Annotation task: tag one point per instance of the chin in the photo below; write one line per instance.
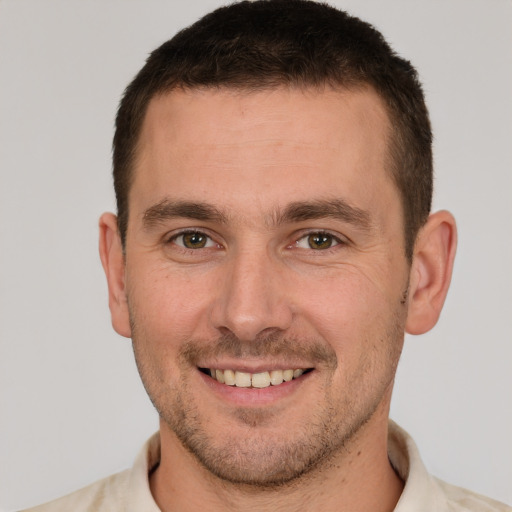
(256, 459)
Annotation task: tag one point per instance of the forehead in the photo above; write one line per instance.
(301, 141)
(229, 115)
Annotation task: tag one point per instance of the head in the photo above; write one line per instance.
(303, 45)
(273, 173)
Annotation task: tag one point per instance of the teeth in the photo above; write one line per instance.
(261, 380)
(242, 379)
(229, 377)
(287, 375)
(255, 380)
(219, 375)
(276, 377)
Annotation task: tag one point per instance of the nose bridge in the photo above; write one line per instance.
(252, 298)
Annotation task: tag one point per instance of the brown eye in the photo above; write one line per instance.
(320, 241)
(317, 241)
(193, 240)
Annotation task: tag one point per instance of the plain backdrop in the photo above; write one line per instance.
(72, 408)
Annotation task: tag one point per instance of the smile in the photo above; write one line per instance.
(254, 380)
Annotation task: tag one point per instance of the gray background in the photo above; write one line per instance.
(72, 408)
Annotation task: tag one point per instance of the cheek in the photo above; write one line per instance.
(168, 305)
(364, 327)
(166, 312)
(351, 311)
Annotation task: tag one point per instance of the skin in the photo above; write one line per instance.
(260, 296)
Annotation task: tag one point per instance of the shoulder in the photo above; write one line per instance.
(105, 495)
(424, 492)
(463, 500)
(128, 491)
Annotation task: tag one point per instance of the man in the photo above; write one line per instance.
(273, 175)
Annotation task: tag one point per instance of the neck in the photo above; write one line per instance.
(358, 478)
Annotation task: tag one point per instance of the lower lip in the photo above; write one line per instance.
(247, 397)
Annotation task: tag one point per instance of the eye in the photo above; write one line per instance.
(317, 241)
(193, 240)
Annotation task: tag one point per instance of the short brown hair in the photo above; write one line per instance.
(298, 43)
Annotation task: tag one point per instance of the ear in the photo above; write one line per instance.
(431, 271)
(112, 259)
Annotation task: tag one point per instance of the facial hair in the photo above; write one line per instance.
(252, 452)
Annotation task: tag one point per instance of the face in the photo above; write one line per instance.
(265, 240)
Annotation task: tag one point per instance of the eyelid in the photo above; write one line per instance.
(339, 239)
(173, 236)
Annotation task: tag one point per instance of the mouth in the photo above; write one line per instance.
(258, 380)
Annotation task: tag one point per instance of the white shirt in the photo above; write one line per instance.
(129, 491)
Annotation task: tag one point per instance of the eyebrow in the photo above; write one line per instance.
(337, 209)
(298, 211)
(168, 209)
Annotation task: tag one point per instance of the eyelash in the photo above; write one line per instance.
(336, 241)
(210, 242)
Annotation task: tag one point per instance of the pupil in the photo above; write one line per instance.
(319, 241)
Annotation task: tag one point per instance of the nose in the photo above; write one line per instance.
(253, 298)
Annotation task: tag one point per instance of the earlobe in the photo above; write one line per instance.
(431, 271)
(112, 259)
